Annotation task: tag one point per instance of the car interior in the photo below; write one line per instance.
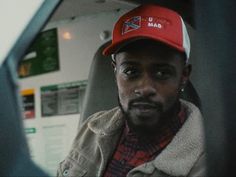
(212, 86)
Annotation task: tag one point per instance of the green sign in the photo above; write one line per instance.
(42, 56)
(30, 130)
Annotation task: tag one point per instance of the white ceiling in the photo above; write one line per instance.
(74, 8)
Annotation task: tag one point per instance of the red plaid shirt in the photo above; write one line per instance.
(131, 153)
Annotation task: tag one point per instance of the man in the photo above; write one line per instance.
(152, 133)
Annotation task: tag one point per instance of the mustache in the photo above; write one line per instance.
(145, 101)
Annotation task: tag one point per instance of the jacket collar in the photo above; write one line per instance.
(184, 150)
(107, 122)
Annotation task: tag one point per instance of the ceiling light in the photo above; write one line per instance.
(66, 35)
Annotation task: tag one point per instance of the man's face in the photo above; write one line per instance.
(149, 78)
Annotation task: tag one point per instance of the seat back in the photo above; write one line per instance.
(101, 92)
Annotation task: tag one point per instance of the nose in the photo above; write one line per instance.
(145, 87)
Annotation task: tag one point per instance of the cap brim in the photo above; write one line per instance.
(116, 46)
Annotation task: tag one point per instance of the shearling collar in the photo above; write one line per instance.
(183, 151)
(107, 122)
(178, 158)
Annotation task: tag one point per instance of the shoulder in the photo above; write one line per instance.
(187, 146)
(192, 109)
(199, 168)
(103, 119)
(97, 117)
(85, 146)
(97, 124)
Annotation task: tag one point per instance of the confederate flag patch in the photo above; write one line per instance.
(131, 24)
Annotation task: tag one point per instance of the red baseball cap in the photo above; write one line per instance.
(150, 22)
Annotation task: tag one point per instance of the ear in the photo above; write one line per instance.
(113, 64)
(186, 73)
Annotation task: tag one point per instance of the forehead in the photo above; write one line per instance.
(146, 51)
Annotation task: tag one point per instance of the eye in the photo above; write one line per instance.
(130, 72)
(163, 74)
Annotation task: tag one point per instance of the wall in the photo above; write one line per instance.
(52, 138)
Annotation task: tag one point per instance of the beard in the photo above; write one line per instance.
(149, 123)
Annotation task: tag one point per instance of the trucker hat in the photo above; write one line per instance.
(150, 22)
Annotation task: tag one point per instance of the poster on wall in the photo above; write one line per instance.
(28, 103)
(50, 140)
(31, 134)
(47, 144)
(62, 99)
(42, 56)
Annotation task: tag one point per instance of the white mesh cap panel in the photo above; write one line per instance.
(186, 40)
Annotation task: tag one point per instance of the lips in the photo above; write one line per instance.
(145, 108)
(144, 105)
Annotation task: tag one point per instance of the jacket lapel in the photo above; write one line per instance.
(108, 130)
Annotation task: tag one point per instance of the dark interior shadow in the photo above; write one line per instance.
(14, 152)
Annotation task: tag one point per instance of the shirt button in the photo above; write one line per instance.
(65, 172)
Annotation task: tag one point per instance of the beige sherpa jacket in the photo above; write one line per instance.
(98, 137)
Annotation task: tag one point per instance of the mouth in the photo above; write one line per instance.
(145, 107)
